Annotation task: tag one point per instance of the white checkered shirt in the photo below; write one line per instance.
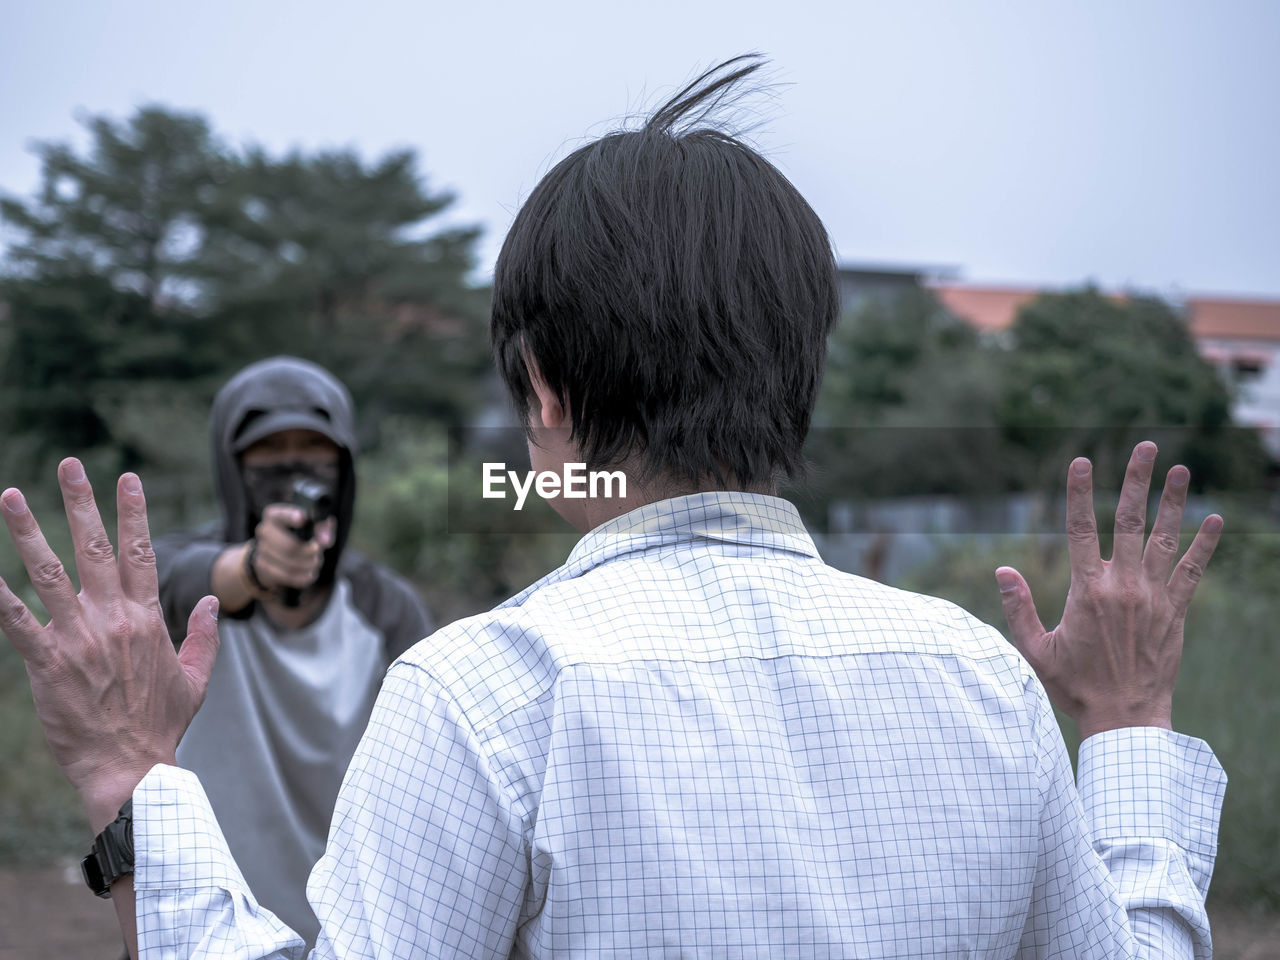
(696, 739)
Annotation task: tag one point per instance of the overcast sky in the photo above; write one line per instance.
(1133, 143)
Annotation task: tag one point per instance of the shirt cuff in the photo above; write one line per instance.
(177, 842)
(192, 900)
(1147, 782)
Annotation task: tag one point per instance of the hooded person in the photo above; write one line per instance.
(308, 627)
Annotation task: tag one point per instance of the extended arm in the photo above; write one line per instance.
(1126, 859)
(238, 574)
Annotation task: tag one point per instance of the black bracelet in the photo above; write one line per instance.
(251, 571)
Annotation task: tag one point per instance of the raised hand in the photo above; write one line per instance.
(113, 696)
(1113, 660)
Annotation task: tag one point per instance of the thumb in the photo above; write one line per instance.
(1025, 628)
(200, 649)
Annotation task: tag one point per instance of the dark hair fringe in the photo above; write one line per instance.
(676, 293)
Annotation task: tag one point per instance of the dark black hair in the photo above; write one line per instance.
(676, 292)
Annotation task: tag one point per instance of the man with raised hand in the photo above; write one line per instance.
(694, 738)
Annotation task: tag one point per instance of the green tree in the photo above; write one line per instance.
(330, 258)
(907, 405)
(881, 358)
(100, 281)
(129, 211)
(157, 261)
(1090, 375)
(916, 402)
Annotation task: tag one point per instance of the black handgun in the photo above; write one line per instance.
(316, 501)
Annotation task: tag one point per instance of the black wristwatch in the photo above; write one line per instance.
(112, 854)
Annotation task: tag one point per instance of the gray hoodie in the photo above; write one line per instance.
(264, 397)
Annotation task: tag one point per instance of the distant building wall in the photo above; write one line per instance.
(860, 284)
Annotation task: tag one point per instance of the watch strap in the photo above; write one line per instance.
(112, 853)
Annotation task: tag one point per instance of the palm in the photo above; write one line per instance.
(1113, 660)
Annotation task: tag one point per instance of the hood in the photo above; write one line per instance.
(271, 395)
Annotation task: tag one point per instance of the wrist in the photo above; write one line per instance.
(248, 571)
(103, 801)
(1089, 723)
(104, 792)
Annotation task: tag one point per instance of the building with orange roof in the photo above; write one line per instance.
(1238, 335)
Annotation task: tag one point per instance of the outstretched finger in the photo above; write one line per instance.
(1082, 525)
(1131, 510)
(95, 556)
(137, 558)
(1025, 629)
(20, 625)
(1162, 546)
(48, 576)
(1187, 574)
(199, 651)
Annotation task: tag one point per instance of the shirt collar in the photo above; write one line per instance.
(746, 519)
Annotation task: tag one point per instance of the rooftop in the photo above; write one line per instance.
(991, 308)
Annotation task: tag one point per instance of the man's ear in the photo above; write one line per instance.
(551, 412)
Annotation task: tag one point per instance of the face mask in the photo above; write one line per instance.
(265, 485)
